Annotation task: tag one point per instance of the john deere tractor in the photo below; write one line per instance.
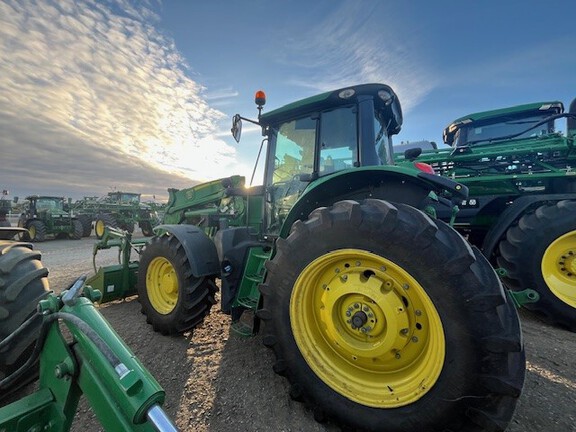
(380, 315)
(45, 215)
(521, 212)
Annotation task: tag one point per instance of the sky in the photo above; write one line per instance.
(138, 96)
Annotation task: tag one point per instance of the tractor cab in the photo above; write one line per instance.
(127, 198)
(323, 135)
(518, 122)
(41, 204)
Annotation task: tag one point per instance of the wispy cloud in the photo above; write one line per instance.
(104, 80)
(353, 44)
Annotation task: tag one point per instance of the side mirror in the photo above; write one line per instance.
(412, 154)
(237, 127)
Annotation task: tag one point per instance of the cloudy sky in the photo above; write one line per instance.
(138, 95)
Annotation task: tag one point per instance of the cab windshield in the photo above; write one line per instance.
(500, 127)
(49, 204)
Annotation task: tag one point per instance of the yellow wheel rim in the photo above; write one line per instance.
(21, 235)
(162, 285)
(99, 227)
(32, 231)
(559, 268)
(367, 328)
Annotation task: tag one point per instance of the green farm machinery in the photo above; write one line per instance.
(47, 215)
(520, 169)
(65, 342)
(5, 209)
(380, 315)
(119, 210)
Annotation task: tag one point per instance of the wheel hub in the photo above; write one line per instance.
(358, 320)
(567, 264)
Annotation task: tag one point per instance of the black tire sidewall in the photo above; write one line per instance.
(529, 259)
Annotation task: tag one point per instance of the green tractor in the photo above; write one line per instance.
(520, 171)
(46, 215)
(380, 315)
(65, 342)
(118, 210)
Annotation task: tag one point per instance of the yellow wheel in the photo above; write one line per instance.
(32, 231)
(559, 268)
(172, 298)
(162, 285)
(363, 325)
(382, 319)
(539, 253)
(103, 221)
(99, 227)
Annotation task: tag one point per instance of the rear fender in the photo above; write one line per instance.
(518, 208)
(199, 248)
(392, 185)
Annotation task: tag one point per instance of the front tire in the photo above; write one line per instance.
(101, 222)
(539, 252)
(24, 284)
(172, 298)
(37, 231)
(383, 319)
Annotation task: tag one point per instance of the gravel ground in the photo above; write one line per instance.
(216, 381)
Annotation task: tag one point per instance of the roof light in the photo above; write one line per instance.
(386, 96)
(346, 94)
(260, 98)
(546, 107)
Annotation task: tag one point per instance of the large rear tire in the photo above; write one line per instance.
(539, 252)
(172, 298)
(385, 320)
(78, 230)
(24, 284)
(86, 221)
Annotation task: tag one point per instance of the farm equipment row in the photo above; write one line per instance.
(44, 216)
(118, 210)
(379, 313)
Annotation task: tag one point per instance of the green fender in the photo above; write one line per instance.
(199, 248)
(390, 183)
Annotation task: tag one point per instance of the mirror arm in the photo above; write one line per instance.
(249, 120)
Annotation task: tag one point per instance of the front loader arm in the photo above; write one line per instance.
(96, 362)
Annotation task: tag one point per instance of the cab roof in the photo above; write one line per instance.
(334, 98)
(552, 107)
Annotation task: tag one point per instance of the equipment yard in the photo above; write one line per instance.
(218, 381)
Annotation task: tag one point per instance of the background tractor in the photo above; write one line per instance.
(45, 215)
(521, 211)
(381, 316)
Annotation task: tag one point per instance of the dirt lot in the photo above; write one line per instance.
(216, 381)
